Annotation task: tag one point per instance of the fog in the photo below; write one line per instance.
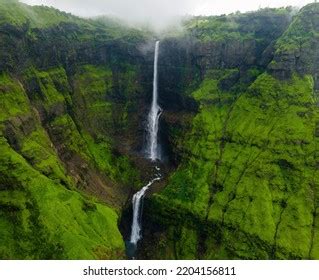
(160, 13)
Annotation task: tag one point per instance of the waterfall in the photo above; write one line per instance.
(153, 151)
(137, 207)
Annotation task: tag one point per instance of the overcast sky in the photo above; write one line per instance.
(160, 12)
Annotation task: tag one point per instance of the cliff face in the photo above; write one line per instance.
(240, 44)
(247, 183)
(68, 87)
(240, 128)
(296, 50)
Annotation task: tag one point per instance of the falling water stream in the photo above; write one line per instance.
(137, 207)
(153, 153)
(153, 150)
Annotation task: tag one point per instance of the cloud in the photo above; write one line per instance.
(159, 13)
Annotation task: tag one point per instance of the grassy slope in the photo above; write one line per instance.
(21, 15)
(248, 180)
(303, 29)
(248, 185)
(56, 130)
(37, 210)
(252, 172)
(15, 13)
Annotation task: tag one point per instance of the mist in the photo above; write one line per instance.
(159, 13)
(156, 14)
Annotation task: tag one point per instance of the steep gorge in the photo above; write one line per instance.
(239, 130)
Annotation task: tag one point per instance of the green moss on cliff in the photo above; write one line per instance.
(303, 29)
(49, 88)
(247, 186)
(43, 220)
(93, 86)
(90, 137)
(106, 95)
(119, 168)
(38, 150)
(250, 170)
(42, 216)
(248, 26)
(13, 100)
(102, 101)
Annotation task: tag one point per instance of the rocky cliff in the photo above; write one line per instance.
(240, 131)
(246, 186)
(68, 87)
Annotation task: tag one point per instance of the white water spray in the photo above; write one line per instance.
(137, 207)
(153, 150)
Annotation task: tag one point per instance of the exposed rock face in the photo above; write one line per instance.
(297, 49)
(185, 61)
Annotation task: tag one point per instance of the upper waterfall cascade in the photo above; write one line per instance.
(153, 151)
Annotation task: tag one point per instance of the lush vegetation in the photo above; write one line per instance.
(240, 94)
(238, 26)
(17, 14)
(63, 182)
(247, 184)
(42, 214)
(302, 31)
(252, 170)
